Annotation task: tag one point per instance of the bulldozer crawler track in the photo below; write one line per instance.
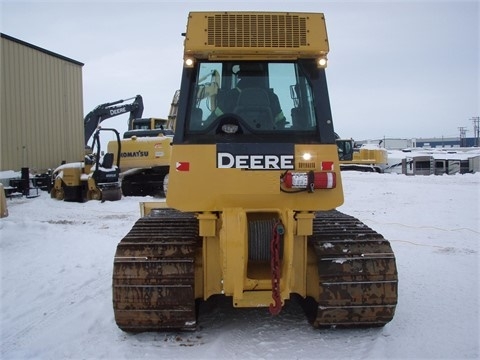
(357, 273)
(153, 273)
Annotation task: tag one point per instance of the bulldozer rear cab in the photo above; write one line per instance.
(254, 178)
(245, 129)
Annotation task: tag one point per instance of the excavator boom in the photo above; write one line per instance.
(105, 111)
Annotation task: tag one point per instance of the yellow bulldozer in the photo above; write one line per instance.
(253, 188)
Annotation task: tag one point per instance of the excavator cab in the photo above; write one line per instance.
(345, 149)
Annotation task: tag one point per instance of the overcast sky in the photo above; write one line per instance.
(401, 69)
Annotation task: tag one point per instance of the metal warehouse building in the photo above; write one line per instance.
(41, 108)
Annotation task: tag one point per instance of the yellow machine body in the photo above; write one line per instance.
(226, 199)
(372, 156)
(253, 187)
(142, 151)
(236, 196)
(367, 157)
(145, 154)
(254, 35)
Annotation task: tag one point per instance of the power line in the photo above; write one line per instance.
(463, 132)
(476, 129)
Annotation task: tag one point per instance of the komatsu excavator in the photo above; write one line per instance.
(254, 184)
(366, 158)
(145, 155)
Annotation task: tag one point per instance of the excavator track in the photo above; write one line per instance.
(147, 182)
(357, 273)
(153, 273)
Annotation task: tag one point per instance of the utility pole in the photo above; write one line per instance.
(463, 132)
(476, 129)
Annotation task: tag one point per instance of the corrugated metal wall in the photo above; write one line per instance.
(41, 109)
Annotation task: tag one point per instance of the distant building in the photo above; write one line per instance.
(41, 107)
(399, 144)
(446, 142)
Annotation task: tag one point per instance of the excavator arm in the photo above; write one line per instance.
(108, 110)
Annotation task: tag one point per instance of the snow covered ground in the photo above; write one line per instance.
(56, 265)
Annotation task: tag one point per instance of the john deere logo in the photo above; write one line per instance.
(256, 156)
(118, 111)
